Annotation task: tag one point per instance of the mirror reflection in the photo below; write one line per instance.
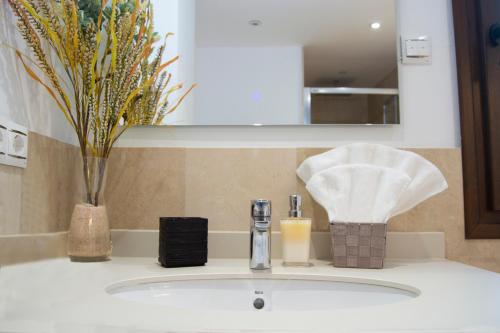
(287, 62)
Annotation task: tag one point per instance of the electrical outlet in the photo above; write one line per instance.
(3, 144)
(13, 144)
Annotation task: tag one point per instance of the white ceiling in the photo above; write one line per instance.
(339, 46)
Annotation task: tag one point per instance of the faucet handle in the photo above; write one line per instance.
(261, 208)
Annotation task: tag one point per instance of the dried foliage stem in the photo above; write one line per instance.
(109, 75)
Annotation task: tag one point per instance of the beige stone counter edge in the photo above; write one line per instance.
(222, 244)
(236, 244)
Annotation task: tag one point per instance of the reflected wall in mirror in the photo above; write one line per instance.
(286, 62)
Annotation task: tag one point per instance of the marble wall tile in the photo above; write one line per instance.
(220, 183)
(144, 184)
(310, 207)
(40, 198)
(10, 199)
(49, 186)
(443, 210)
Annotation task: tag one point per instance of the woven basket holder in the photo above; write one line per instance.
(358, 245)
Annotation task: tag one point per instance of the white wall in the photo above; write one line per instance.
(429, 102)
(429, 94)
(249, 85)
(21, 99)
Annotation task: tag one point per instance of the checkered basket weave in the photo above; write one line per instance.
(358, 245)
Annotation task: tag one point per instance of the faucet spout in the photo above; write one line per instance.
(260, 235)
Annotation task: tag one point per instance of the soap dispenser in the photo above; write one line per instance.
(296, 235)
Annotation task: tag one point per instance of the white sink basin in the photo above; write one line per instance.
(236, 293)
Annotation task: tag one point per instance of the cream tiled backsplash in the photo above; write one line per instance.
(146, 183)
(40, 198)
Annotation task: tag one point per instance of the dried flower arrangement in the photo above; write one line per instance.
(109, 75)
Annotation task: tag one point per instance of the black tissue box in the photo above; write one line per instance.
(183, 241)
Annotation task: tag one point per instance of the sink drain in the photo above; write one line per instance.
(259, 303)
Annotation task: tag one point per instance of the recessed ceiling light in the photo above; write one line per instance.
(255, 23)
(375, 25)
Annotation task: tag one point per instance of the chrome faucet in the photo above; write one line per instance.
(260, 235)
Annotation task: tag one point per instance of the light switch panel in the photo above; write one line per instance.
(13, 144)
(416, 50)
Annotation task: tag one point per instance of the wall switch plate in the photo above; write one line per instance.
(13, 144)
(416, 50)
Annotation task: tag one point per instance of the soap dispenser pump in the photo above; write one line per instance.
(296, 235)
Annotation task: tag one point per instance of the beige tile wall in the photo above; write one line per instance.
(36, 203)
(143, 184)
(11, 181)
(146, 183)
(50, 188)
(219, 184)
(40, 198)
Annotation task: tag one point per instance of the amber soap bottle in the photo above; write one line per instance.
(296, 235)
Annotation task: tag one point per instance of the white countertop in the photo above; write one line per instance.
(61, 296)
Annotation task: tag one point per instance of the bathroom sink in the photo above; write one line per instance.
(236, 293)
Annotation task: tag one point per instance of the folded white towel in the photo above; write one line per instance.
(358, 193)
(426, 179)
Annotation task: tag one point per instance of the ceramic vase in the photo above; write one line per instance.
(89, 238)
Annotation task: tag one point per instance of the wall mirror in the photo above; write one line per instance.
(286, 62)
